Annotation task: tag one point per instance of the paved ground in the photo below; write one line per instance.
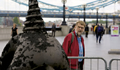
(94, 49)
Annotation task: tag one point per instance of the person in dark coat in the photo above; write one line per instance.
(103, 31)
(86, 31)
(53, 29)
(99, 31)
(72, 29)
(93, 29)
(110, 29)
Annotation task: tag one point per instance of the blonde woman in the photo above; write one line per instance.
(53, 29)
(14, 30)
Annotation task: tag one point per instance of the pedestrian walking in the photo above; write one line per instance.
(98, 31)
(73, 45)
(119, 29)
(95, 28)
(102, 31)
(86, 31)
(53, 29)
(14, 30)
(92, 29)
(110, 29)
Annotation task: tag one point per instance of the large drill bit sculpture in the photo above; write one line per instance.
(34, 49)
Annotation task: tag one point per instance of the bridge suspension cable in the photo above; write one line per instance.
(89, 6)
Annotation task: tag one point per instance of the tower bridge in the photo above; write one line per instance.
(54, 11)
(89, 15)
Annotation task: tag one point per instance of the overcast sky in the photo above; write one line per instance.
(10, 5)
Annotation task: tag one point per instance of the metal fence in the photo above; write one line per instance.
(92, 64)
(116, 64)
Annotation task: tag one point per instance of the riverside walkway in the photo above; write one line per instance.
(93, 49)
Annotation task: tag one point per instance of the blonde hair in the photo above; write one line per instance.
(14, 24)
(81, 22)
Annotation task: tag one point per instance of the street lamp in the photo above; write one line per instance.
(84, 5)
(97, 8)
(114, 19)
(106, 20)
(64, 22)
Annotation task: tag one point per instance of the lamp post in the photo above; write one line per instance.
(97, 15)
(84, 5)
(106, 20)
(64, 22)
(114, 19)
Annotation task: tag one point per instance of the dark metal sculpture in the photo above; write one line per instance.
(34, 49)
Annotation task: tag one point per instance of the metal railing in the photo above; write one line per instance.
(110, 63)
(98, 58)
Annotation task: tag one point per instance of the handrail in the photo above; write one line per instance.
(111, 63)
(75, 57)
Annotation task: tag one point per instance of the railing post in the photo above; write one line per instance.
(108, 68)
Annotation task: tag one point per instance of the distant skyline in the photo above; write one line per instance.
(10, 5)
